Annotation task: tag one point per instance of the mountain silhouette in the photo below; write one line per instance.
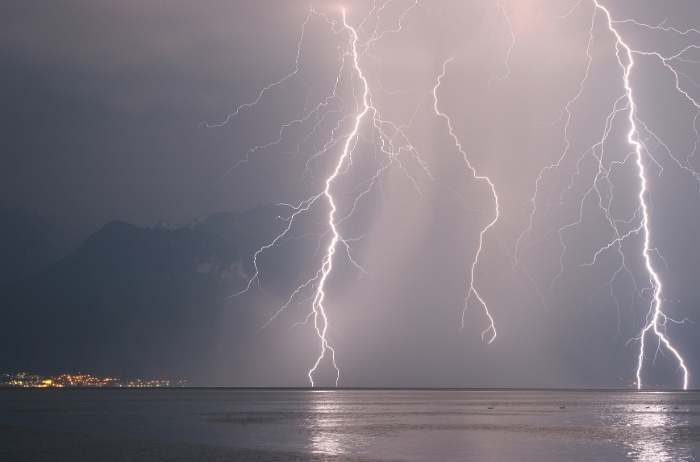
(134, 302)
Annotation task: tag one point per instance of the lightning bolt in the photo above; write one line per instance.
(362, 132)
(638, 224)
(656, 319)
(320, 318)
(473, 292)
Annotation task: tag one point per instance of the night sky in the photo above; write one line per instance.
(174, 110)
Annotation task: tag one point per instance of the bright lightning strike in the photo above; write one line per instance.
(656, 319)
(638, 224)
(320, 319)
(353, 126)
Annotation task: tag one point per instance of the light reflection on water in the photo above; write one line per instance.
(657, 426)
(408, 425)
(325, 424)
(651, 446)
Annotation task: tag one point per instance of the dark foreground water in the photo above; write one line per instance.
(407, 425)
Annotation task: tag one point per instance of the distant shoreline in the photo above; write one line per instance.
(368, 389)
(80, 380)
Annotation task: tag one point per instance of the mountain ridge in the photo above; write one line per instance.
(133, 301)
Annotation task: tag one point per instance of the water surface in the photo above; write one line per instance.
(407, 425)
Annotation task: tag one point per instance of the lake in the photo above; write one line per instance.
(217, 424)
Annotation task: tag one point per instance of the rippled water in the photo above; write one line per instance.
(382, 424)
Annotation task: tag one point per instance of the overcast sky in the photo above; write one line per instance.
(116, 110)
